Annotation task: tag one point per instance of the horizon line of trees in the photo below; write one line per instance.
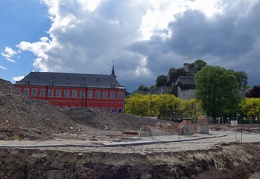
(170, 107)
(218, 92)
(174, 73)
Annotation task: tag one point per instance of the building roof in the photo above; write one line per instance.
(70, 79)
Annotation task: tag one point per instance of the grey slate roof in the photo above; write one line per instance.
(70, 79)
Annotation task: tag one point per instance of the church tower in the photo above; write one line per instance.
(113, 70)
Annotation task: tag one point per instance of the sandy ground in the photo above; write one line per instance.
(173, 143)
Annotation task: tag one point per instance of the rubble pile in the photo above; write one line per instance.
(25, 118)
(22, 117)
(105, 120)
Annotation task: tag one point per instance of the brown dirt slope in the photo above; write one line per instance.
(22, 117)
(104, 120)
(27, 117)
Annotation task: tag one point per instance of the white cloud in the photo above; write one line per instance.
(8, 53)
(37, 48)
(89, 5)
(17, 78)
(142, 68)
(3, 68)
(162, 12)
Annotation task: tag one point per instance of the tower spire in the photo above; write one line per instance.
(113, 70)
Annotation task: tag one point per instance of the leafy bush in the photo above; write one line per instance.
(248, 121)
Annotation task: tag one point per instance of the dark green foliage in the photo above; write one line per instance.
(248, 121)
(161, 80)
(174, 75)
(198, 64)
(151, 87)
(241, 79)
(171, 70)
(142, 89)
(217, 88)
(127, 94)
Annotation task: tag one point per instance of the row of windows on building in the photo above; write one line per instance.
(73, 93)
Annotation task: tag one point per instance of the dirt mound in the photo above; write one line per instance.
(22, 117)
(104, 120)
(25, 118)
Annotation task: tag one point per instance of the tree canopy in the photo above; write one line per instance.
(251, 107)
(162, 105)
(161, 80)
(198, 64)
(217, 88)
(241, 79)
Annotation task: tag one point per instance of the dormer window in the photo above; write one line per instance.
(51, 83)
(27, 82)
(82, 82)
(98, 79)
(68, 78)
(113, 85)
(36, 77)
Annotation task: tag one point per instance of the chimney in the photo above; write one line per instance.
(186, 67)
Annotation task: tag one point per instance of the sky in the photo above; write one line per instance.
(143, 39)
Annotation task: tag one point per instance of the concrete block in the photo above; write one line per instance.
(202, 129)
(187, 130)
(234, 123)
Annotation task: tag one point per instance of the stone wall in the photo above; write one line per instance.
(161, 90)
(186, 94)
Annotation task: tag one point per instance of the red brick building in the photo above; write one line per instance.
(69, 90)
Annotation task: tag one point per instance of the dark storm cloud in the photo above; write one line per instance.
(230, 39)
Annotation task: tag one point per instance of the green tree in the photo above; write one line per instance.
(217, 88)
(251, 107)
(241, 79)
(161, 80)
(151, 87)
(191, 108)
(127, 94)
(142, 89)
(171, 70)
(138, 104)
(174, 75)
(198, 64)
